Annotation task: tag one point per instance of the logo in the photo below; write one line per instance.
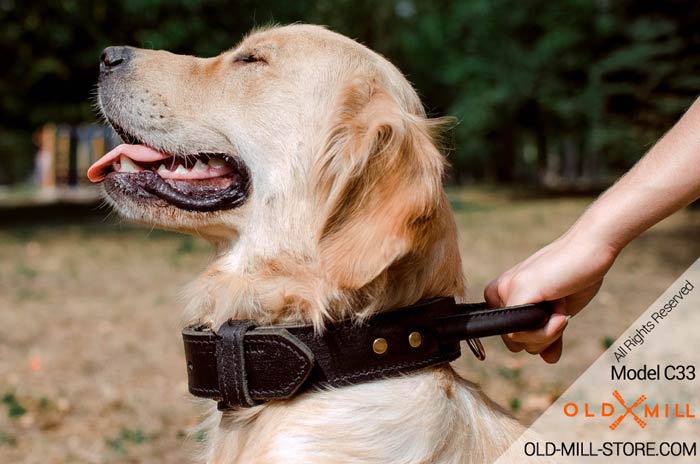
(628, 410)
(641, 410)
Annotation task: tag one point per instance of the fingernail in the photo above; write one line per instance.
(565, 324)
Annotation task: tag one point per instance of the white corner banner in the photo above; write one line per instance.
(639, 402)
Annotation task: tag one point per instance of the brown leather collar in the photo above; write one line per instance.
(242, 365)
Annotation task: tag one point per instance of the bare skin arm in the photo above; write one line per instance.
(570, 270)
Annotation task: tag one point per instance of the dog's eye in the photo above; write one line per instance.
(248, 58)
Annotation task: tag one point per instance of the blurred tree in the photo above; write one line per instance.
(560, 92)
(553, 90)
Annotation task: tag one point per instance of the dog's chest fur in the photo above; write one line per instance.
(430, 417)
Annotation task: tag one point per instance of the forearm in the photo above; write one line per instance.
(569, 271)
(665, 180)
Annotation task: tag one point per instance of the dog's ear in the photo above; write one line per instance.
(380, 183)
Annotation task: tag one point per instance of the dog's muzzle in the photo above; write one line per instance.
(243, 365)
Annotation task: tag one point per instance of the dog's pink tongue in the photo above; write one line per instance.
(142, 153)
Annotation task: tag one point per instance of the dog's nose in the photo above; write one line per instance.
(114, 57)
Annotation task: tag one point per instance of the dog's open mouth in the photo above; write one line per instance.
(197, 182)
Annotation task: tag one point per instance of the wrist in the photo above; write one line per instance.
(594, 233)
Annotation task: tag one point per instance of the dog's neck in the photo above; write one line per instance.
(278, 286)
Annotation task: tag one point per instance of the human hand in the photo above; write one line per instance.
(568, 272)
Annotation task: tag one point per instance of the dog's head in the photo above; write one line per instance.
(298, 152)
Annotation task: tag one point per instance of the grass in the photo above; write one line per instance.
(515, 404)
(187, 245)
(509, 373)
(607, 341)
(26, 271)
(7, 439)
(14, 408)
(462, 206)
(125, 438)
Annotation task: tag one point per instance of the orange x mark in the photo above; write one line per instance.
(628, 410)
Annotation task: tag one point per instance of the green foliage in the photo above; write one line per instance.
(509, 373)
(14, 408)
(7, 439)
(575, 88)
(515, 404)
(26, 271)
(126, 436)
(186, 246)
(607, 342)
(201, 436)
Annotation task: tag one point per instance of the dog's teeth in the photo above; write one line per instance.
(162, 169)
(127, 165)
(216, 163)
(199, 166)
(180, 169)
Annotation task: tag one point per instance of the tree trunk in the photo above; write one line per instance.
(505, 155)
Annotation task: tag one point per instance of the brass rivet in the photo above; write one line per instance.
(380, 346)
(415, 339)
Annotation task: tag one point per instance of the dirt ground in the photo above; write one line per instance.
(91, 363)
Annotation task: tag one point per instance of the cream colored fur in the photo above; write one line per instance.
(347, 217)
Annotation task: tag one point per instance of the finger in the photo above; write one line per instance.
(561, 306)
(544, 336)
(575, 303)
(552, 353)
(543, 339)
(491, 294)
(511, 345)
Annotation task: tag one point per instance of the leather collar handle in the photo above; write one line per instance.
(478, 320)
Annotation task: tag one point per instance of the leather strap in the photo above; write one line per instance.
(241, 365)
(230, 363)
(478, 320)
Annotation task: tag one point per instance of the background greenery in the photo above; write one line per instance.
(565, 93)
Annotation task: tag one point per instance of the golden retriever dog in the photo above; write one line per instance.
(307, 160)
